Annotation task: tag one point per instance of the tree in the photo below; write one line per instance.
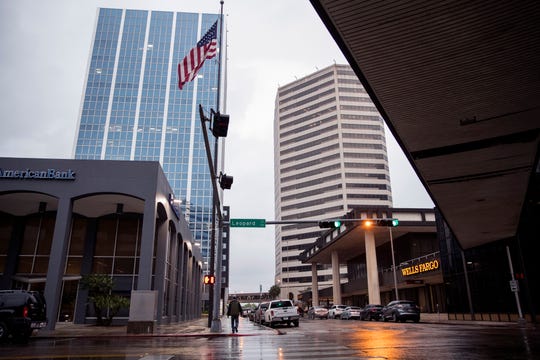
(274, 291)
(105, 303)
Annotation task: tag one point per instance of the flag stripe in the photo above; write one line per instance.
(206, 48)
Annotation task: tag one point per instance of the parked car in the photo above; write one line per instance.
(371, 312)
(318, 312)
(281, 312)
(251, 314)
(20, 313)
(351, 312)
(401, 310)
(247, 311)
(335, 311)
(258, 315)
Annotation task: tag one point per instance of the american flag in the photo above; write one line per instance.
(206, 49)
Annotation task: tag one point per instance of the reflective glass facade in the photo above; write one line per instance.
(133, 110)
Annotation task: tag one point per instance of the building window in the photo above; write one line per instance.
(36, 245)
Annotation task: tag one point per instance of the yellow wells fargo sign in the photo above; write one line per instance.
(420, 268)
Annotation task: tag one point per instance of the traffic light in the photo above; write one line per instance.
(330, 224)
(388, 222)
(220, 125)
(225, 182)
(209, 279)
(367, 223)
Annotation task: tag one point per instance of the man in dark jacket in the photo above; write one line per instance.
(234, 310)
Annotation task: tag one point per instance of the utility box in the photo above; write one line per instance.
(142, 312)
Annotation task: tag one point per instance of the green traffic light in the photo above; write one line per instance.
(395, 222)
(337, 223)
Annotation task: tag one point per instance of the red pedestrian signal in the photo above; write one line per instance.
(220, 125)
(209, 279)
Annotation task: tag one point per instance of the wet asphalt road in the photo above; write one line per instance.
(314, 339)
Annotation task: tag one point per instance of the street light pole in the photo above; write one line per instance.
(514, 290)
(216, 315)
(393, 262)
(285, 272)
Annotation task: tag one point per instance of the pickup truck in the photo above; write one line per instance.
(21, 312)
(281, 312)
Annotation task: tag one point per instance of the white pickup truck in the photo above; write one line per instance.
(281, 312)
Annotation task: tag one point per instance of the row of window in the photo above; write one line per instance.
(364, 146)
(363, 155)
(333, 138)
(302, 236)
(310, 135)
(360, 99)
(307, 118)
(367, 186)
(349, 165)
(344, 125)
(303, 84)
(311, 126)
(310, 183)
(315, 97)
(346, 72)
(311, 214)
(318, 161)
(319, 191)
(368, 196)
(359, 90)
(303, 175)
(307, 109)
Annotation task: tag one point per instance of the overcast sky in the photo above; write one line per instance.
(43, 63)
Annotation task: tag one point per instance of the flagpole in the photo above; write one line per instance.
(220, 57)
(216, 318)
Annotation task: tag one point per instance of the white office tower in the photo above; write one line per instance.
(329, 157)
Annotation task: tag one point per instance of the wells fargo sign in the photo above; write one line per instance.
(420, 268)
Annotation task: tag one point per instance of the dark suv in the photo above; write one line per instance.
(401, 310)
(371, 312)
(20, 313)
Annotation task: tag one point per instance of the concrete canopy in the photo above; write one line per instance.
(458, 84)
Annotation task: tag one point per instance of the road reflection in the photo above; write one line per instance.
(384, 343)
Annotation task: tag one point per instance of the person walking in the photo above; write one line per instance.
(234, 310)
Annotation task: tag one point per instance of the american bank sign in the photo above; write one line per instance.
(49, 174)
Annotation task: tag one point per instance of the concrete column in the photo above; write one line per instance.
(173, 240)
(374, 293)
(86, 269)
(189, 299)
(180, 277)
(185, 291)
(315, 285)
(162, 255)
(147, 245)
(57, 260)
(336, 283)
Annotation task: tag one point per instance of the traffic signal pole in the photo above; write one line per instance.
(339, 222)
(216, 209)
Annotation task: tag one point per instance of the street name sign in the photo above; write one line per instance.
(247, 223)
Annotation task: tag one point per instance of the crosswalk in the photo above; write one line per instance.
(286, 347)
(260, 343)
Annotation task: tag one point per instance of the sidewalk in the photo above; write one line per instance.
(442, 318)
(198, 327)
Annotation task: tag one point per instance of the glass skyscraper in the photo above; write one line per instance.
(132, 108)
